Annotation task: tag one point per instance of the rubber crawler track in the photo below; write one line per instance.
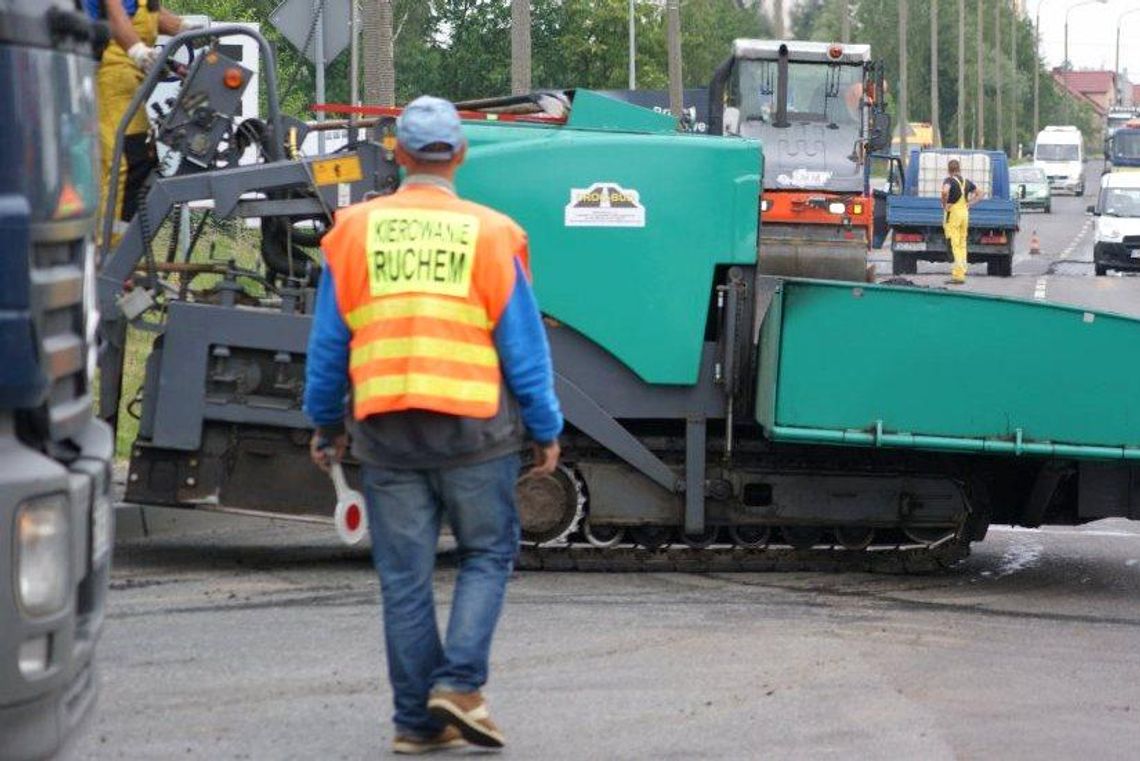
(908, 560)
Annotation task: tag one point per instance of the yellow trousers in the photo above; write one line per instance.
(955, 227)
(116, 82)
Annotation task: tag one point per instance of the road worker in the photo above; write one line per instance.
(958, 195)
(425, 304)
(135, 26)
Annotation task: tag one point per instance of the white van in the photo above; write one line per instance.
(1116, 236)
(1060, 151)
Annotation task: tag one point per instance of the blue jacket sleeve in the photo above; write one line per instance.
(524, 355)
(326, 368)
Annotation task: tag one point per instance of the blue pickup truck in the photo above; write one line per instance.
(915, 216)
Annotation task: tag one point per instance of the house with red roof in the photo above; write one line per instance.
(1098, 88)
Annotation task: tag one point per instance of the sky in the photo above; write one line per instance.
(1092, 33)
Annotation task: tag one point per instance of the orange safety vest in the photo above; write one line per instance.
(421, 280)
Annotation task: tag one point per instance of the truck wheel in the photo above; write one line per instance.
(1000, 266)
(1049, 208)
(1081, 190)
(1100, 269)
(904, 264)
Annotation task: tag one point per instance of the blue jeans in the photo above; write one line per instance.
(405, 508)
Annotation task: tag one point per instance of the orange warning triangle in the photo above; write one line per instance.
(70, 202)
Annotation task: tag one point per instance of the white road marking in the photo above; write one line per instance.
(1041, 287)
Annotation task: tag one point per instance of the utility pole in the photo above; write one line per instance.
(961, 83)
(520, 47)
(319, 54)
(845, 21)
(998, 132)
(632, 45)
(676, 94)
(778, 19)
(1037, 70)
(904, 118)
(934, 126)
(379, 56)
(354, 57)
(980, 116)
(1013, 99)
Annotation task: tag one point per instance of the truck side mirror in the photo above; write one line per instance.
(879, 132)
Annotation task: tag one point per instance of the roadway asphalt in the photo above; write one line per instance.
(261, 640)
(248, 639)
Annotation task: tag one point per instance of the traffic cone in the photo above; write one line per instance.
(1034, 244)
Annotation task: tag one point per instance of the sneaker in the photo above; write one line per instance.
(467, 712)
(448, 737)
(956, 281)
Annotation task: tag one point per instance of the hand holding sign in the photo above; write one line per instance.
(349, 517)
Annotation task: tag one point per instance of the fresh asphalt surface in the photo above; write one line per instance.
(247, 639)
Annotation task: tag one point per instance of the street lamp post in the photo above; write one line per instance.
(1065, 64)
(1037, 69)
(1119, 20)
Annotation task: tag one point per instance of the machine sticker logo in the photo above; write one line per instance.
(804, 178)
(605, 204)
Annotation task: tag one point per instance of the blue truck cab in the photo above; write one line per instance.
(1122, 147)
(915, 216)
(55, 458)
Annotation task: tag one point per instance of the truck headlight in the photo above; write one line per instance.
(42, 555)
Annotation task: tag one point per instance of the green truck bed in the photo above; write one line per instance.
(929, 369)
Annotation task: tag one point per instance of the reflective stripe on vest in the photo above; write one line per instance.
(418, 306)
(415, 284)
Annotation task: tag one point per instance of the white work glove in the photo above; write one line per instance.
(143, 56)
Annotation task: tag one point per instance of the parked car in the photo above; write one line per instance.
(1031, 188)
(1117, 233)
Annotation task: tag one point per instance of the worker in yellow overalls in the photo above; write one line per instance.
(135, 26)
(958, 195)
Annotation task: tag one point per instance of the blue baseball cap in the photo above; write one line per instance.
(429, 129)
